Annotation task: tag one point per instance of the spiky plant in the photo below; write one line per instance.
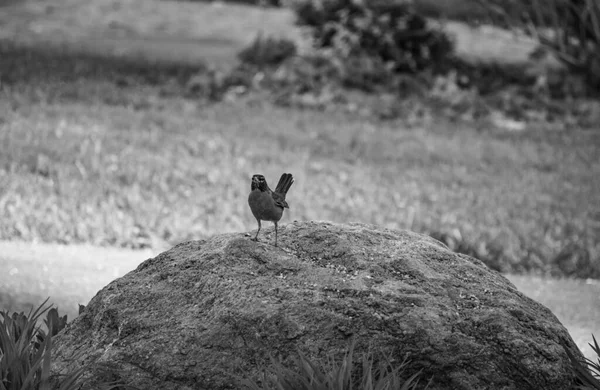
(587, 371)
(25, 350)
(307, 375)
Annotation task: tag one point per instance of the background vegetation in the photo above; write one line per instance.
(127, 153)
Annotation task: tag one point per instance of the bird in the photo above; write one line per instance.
(267, 205)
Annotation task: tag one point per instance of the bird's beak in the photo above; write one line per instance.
(255, 180)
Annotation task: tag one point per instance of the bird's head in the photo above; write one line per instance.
(259, 182)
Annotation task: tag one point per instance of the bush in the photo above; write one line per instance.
(268, 51)
(261, 3)
(468, 11)
(25, 353)
(569, 28)
(25, 350)
(389, 33)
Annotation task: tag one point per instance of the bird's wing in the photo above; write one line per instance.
(279, 200)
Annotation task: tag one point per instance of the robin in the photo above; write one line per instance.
(267, 205)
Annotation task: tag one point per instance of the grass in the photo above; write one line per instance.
(110, 153)
(200, 31)
(334, 375)
(190, 32)
(25, 351)
(587, 371)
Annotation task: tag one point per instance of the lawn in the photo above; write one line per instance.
(104, 152)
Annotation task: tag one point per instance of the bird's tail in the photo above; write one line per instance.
(285, 182)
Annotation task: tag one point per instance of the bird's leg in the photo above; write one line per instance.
(275, 233)
(256, 237)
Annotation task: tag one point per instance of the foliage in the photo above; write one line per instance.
(63, 182)
(308, 375)
(54, 323)
(391, 35)
(268, 51)
(568, 28)
(587, 372)
(261, 3)
(468, 11)
(25, 351)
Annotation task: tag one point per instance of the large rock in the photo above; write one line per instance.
(207, 312)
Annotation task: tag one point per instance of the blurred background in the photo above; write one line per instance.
(128, 126)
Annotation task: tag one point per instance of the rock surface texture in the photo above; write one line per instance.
(205, 313)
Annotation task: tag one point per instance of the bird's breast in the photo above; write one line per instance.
(263, 206)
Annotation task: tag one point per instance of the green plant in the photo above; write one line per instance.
(308, 375)
(25, 351)
(568, 28)
(268, 51)
(76, 203)
(390, 32)
(587, 372)
(54, 324)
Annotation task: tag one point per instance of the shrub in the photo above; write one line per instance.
(25, 351)
(268, 51)
(307, 375)
(468, 11)
(569, 28)
(390, 33)
(261, 3)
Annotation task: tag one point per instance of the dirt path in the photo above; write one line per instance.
(73, 274)
(69, 275)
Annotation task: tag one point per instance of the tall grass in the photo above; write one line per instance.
(25, 351)
(336, 375)
(587, 371)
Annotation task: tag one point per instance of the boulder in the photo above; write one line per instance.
(206, 313)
